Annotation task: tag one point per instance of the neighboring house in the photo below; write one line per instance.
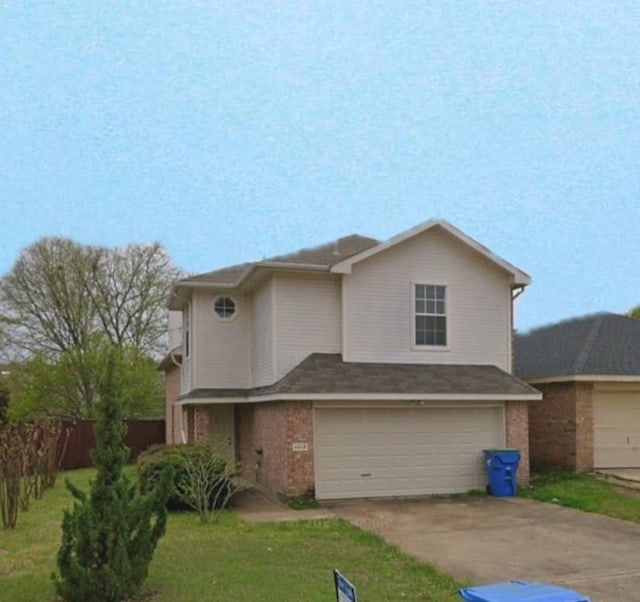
(357, 368)
(588, 370)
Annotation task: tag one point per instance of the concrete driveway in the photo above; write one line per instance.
(487, 540)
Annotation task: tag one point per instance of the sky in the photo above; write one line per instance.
(231, 131)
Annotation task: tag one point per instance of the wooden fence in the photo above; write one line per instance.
(141, 434)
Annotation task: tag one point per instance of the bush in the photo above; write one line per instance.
(110, 534)
(181, 458)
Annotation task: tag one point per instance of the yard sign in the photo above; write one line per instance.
(345, 591)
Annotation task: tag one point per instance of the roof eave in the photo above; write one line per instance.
(520, 278)
(406, 397)
(596, 378)
(187, 284)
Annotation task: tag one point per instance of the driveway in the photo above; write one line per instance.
(487, 540)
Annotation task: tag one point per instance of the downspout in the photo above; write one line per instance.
(515, 293)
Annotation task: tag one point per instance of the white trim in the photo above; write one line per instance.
(510, 332)
(236, 308)
(278, 265)
(408, 405)
(344, 307)
(597, 378)
(274, 328)
(364, 397)
(435, 348)
(520, 278)
(489, 406)
(194, 360)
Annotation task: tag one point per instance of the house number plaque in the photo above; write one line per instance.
(300, 446)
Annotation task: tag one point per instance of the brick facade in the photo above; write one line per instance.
(561, 426)
(201, 428)
(517, 435)
(273, 427)
(265, 434)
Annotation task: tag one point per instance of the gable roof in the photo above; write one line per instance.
(597, 344)
(520, 278)
(337, 256)
(326, 374)
(320, 257)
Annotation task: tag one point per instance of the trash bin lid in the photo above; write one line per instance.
(513, 591)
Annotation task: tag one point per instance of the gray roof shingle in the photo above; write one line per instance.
(323, 255)
(327, 373)
(598, 344)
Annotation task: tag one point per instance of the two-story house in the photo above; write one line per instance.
(358, 368)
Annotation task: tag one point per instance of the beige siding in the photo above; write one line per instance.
(378, 299)
(187, 352)
(175, 329)
(307, 318)
(221, 349)
(262, 361)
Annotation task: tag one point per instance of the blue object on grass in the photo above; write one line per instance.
(502, 468)
(521, 591)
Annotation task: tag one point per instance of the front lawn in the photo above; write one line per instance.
(584, 492)
(230, 560)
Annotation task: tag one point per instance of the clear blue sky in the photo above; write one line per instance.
(232, 130)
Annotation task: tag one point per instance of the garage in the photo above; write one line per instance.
(616, 429)
(403, 451)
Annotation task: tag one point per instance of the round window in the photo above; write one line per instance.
(225, 307)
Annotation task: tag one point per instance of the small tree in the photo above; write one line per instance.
(109, 537)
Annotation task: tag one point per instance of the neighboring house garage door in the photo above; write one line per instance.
(376, 452)
(616, 429)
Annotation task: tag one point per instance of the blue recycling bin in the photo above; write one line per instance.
(502, 468)
(521, 591)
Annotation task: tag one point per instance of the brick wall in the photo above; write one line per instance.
(561, 426)
(262, 427)
(300, 468)
(517, 435)
(273, 427)
(584, 426)
(201, 429)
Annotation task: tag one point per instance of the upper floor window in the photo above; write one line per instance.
(224, 307)
(430, 315)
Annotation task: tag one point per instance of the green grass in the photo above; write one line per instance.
(584, 493)
(303, 503)
(229, 560)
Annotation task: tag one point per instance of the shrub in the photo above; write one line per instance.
(30, 456)
(110, 535)
(195, 461)
(209, 482)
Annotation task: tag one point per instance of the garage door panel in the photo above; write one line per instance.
(616, 429)
(402, 451)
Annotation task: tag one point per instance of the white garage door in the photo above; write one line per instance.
(616, 429)
(370, 452)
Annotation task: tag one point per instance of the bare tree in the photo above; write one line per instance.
(129, 289)
(60, 293)
(45, 305)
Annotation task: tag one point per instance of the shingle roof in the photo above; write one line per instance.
(327, 373)
(323, 255)
(598, 344)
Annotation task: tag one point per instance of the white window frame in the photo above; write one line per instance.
(447, 303)
(235, 305)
